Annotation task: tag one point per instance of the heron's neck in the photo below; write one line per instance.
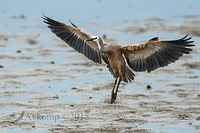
(101, 46)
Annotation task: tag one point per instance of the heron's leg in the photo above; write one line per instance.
(113, 90)
(115, 94)
(113, 98)
(118, 86)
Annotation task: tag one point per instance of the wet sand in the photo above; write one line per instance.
(48, 87)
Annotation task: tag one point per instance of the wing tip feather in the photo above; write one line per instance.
(73, 24)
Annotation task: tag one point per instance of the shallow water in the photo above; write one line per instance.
(43, 77)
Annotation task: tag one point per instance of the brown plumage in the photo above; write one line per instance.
(146, 56)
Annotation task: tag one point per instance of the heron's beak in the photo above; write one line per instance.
(91, 39)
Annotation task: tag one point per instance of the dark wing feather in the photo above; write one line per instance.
(76, 39)
(154, 53)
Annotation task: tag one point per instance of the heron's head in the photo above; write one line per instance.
(98, 40)
(94, 38)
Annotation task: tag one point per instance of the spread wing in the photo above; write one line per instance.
(154, 53)
(76, 39)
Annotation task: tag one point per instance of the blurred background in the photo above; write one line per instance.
(130, 17)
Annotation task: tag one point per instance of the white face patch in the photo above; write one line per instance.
(95, 38)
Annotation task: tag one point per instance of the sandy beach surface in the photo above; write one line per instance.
(46, 86)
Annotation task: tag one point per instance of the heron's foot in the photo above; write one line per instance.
(113, 97)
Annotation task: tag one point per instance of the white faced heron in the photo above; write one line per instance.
(146, 56)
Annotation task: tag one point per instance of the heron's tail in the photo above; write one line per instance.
(128, 75)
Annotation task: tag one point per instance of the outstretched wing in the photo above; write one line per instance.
(76, 39)
(154, 53)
